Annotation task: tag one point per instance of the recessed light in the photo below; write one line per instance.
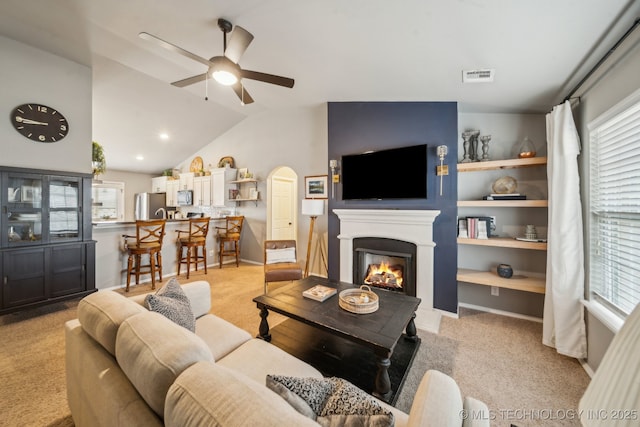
(164, 136)
(139, 157)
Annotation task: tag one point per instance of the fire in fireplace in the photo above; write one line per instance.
(385, 263)
(384, 275)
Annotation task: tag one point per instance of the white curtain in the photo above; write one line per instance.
(563, 325)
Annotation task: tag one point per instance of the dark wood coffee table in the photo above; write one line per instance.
(379, 331)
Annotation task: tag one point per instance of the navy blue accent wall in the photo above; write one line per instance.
(355, 127)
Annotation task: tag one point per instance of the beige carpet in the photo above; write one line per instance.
(496, 359)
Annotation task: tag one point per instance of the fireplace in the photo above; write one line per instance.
(409, 226)
(385, 263)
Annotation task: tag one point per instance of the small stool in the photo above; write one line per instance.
(196, 238)
(231, 235)
(149, 235)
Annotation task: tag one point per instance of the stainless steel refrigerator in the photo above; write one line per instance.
(148, 205)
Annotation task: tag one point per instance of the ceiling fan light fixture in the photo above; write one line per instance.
(224, 77)
(224, 71)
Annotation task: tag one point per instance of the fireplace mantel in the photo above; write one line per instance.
(415, 226)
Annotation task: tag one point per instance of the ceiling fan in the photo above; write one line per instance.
(224, 69)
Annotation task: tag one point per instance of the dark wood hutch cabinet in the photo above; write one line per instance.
(46, 249)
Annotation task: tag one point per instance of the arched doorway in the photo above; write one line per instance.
(282, 200)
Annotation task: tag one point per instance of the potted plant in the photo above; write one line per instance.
(98, 160)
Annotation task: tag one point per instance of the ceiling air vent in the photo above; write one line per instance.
(478, 76)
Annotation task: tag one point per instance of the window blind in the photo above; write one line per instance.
(615, 207)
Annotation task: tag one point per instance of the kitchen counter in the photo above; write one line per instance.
(113, 224)
(111, 257)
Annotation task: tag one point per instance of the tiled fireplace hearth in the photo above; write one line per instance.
(413, 226)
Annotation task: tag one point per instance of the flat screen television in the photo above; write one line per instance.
(396, 173)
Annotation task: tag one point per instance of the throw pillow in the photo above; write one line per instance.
(331, 401)
(281, 255)
(172, 303)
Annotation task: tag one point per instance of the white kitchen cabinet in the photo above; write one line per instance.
(159, 184)
(202, 191)
(172, 192)
(221, 184)
(186, 181)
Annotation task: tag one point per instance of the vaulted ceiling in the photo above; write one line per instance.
(336, 50)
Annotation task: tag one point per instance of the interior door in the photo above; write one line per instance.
(282, 208)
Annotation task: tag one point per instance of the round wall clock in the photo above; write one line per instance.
(39, 123)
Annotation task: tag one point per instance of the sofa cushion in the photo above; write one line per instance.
(172, 303)
(102, 313)
(152, 351)
(207, 394)
(437, 402)
(331, 401)
(198, 292)
(221, 336)
(257, 359)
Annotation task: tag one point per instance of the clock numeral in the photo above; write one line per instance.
(42, 108)
(42, 138)
(63, 127)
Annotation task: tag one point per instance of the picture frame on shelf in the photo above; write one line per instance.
(316, 187)
(28, 193)
(242, 173)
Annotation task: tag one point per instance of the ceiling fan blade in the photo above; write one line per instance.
(268, 78)
(190, 80)
(173, 48)
(239, 42)
(242, 93)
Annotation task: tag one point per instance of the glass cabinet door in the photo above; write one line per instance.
(23, 211)
(64, 212)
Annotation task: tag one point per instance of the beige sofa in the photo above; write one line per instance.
(127, 366)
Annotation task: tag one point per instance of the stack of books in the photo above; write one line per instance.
(319, 293)
(475, 227)
(509, 196)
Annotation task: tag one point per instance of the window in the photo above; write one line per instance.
(107, 201)
(615, 207)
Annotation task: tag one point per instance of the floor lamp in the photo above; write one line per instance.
(313, 208)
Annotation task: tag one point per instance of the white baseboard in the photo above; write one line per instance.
(500, 312)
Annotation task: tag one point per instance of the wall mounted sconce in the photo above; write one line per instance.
(442, 169)
(335, 176)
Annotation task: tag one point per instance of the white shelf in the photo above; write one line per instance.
(503, 203)
(528, 282)
(504, 242)
(502, 164)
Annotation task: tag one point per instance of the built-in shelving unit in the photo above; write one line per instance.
(529, 282)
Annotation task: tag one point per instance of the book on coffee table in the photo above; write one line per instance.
(319, 293)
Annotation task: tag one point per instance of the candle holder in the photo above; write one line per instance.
(485, 147)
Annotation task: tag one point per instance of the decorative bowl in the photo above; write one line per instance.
(505, 185)
(360, 300)
(505, 270)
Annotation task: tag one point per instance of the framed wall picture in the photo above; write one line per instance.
(242, 173)
(315, 187)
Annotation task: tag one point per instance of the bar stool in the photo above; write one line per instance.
(230, 235)
(195, 238)
(148, 241)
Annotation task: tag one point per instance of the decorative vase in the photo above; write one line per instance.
(505, 270)
(526, 149)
